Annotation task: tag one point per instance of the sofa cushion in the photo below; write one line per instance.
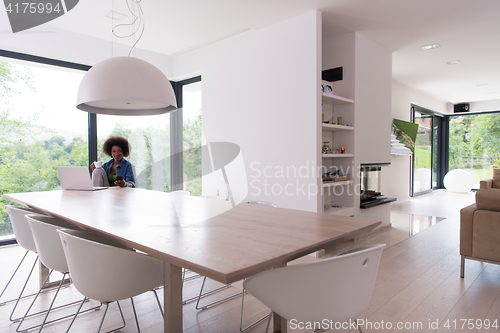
(488, 199)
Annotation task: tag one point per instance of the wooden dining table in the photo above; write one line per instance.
(207, 236)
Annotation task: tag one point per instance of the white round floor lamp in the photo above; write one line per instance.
(458, 181)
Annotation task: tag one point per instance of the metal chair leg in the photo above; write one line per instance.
(21, 294)
(27, 315)
(158, 301)
(5, 288)
(269, 321)
(201, 295)
(249, 327)
(135, 314)
(104, 315)
(51, 304)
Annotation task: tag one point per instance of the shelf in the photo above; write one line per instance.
(342, 183)
(343, 211)
(336, 100)
(337, 155)
(335, 128)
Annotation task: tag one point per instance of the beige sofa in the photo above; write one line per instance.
(480, 227)
(491, 183)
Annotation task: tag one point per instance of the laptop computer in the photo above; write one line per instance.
(76, 178)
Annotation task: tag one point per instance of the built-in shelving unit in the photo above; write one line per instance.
(336, 100)
(336, 197)
(342, 183)
(336, 128)
(337, 155)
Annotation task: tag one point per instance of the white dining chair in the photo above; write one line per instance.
(225, 299)
(337, 289)
(180, 192)
(107, 271)
(51, 254)
(24, 238)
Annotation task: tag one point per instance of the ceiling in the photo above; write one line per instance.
(467, 30)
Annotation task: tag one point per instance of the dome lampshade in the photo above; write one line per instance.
(125, 86)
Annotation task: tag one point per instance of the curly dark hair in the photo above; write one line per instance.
(119, 141)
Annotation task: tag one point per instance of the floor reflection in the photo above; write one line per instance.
(412, 224)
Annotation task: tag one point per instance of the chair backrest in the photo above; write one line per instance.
(337, 289)
(20, 226)
(48, 242)
(264, 203)
(106, 271)
(210, 196)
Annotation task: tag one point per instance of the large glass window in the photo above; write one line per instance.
(40, 128)
(191, 101)
(149, 137)
(474, 144)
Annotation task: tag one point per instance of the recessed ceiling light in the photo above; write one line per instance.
(115, 15)
(481, 85)
(453, 62)
(431, 46)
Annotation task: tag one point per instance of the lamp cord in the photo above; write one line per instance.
(141, 23)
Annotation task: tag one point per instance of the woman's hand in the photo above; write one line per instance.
(120, 183)
(92, 166)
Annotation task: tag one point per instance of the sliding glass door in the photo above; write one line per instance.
(422, 158)
(427, 171)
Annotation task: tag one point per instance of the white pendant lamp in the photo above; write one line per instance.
(126, 86)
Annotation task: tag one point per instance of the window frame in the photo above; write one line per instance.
(176, 119)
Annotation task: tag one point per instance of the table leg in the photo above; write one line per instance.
(279, 324)
(43, 272)
(172, 280)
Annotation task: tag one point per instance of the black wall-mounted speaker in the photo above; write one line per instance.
(333, 74)
(464, 107)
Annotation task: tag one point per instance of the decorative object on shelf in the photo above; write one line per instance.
(333, 74)
(326, 147)
(342, 149)
(334, 176)
(326, 88)
(126, 85)
(339, 120)
(458, 181)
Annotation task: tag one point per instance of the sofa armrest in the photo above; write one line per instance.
(488, 199)
(466, 218)
(485, 184)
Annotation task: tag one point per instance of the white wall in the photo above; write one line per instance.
(260, 91)
(493, 105)
(373, 76)
(396, 177)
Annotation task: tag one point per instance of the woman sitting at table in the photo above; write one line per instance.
(117, 147)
